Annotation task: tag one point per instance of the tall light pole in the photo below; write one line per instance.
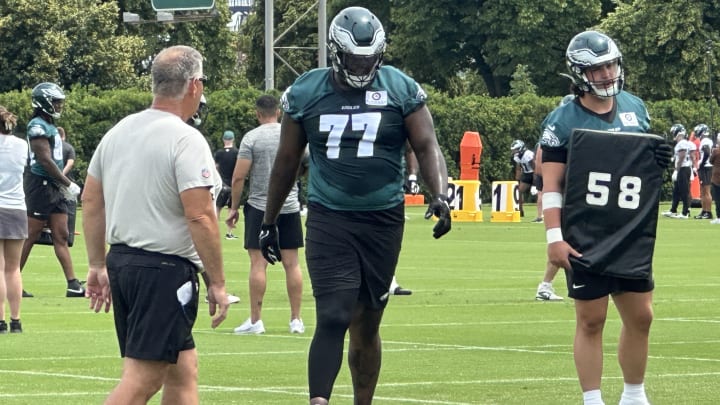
(269, 46)
(708, 56)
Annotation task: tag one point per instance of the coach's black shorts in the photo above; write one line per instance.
(526, 178)
(583, 285)
(43, 197)
(353, 250)
(155, 301)
(224, 197)
(538, 182)
(289, 228)
(705, 173)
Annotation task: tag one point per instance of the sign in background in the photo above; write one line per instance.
(162, 5)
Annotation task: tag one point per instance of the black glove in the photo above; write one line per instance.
(411, 185)
(269, 245)
(663, 154)
(439, 207)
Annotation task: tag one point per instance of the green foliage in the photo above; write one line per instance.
(296, 41)
(91, 111)
(521, 82)
(64, 43)
(489, 37)
(664, 46)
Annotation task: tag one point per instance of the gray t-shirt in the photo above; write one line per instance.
(260, 146)
(144, 163)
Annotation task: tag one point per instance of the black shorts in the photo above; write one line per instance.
(705, 173)
(151, 321)
(43, 197)
(289, 228)
(538, 182)
(526, 178)
(354, 250)
(583, 285)
(224, 198)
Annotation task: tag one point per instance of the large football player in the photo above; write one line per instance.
(356, 118)
(595, 67)
(47, 189)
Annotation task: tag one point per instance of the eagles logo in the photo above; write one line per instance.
(284, 99)
(549, 138)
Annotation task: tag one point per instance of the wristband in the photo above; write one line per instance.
(554, 235)
(552, 200)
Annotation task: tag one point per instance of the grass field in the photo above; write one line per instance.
(471, 333)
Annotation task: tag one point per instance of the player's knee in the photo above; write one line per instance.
(592, 325)
(334, 311)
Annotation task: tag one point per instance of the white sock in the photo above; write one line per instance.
(592, 397)
(634, 394)
(544, 285)
(393, 285)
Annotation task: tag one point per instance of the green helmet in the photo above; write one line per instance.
(48, 97)
(356, 44)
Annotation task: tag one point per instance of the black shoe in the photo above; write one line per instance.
(401, 291)
(75, 289)
(703, 215)
(26, 294)
(15, 326)
(3, 327)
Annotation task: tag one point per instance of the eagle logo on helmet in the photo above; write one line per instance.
(356, 44)
(588, 49)
(678, 130)
(701, 130)
(48, 98)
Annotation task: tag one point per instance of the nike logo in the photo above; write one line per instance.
(575, 286)
(72, 290)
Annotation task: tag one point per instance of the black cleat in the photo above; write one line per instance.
(26, 294)
(15, 326)
(401, 291)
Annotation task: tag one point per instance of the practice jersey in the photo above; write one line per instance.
(612, 194)
(39, 128)
(705, 144)
(526, 161)
(628, 115)
(356, 137)
(684, 146)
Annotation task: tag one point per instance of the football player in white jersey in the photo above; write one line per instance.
(704, 169)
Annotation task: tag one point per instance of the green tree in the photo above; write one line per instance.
(489, 37)
(521, 82)
(296, 41)
(64, 42)
(664, 45)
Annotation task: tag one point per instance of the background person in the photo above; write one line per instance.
(225, 159)
(685, 160)
(13, 219)
(158, 242)
(596, 69)
(356, 118)
(715, 180)
(254, 161)
(525, 161)
(704, 169)
(47, 189)
(196, 121)
(545, 290)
